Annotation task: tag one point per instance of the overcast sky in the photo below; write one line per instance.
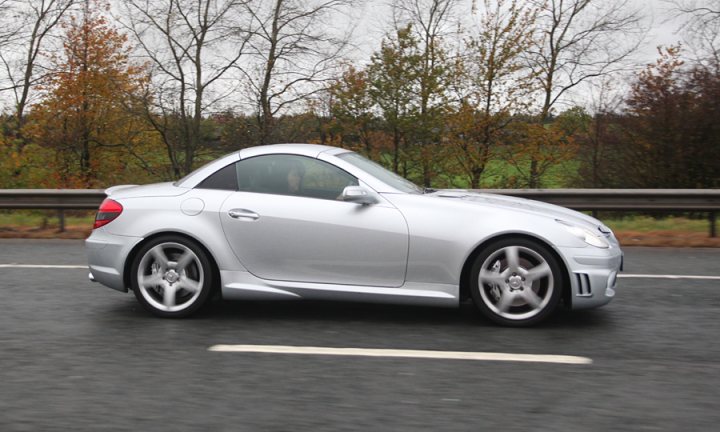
(372, 19)
(662, 22)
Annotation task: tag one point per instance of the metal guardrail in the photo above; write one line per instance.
(695, 200)
(54, 199)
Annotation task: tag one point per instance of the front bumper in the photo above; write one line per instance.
(106, 257)
(593, 275)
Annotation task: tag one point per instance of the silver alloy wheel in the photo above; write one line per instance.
(170, 277)
(516, 282)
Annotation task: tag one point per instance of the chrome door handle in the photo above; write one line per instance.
(243, 214)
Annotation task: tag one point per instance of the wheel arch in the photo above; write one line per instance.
(465, 274)
(134, 251)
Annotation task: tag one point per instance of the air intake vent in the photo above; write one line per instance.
(604, 230)
(584, 288)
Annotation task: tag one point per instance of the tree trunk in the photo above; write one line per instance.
(533, 181)
(396, 150)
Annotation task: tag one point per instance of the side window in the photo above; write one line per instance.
(223, 179)
(292, 175)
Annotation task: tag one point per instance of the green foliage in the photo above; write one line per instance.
(392, 74)
(503, 174)
(574, 121)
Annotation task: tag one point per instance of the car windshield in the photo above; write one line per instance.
(382, 174)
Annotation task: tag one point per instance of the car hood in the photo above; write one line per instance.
(522, 205)
(150, 190)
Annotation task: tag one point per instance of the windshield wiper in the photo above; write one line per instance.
(429, 190)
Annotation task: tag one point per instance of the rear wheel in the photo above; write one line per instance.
(516, 282)
(171, 276)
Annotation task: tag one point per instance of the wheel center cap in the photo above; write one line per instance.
(172, 276)
(515, 282)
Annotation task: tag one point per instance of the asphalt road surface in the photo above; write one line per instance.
(78, 356)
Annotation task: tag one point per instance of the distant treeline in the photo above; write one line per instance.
(155, 89)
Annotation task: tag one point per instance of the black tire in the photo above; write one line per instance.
(516, 292)
(177, 285)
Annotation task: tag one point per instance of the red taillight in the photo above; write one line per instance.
(108, 211)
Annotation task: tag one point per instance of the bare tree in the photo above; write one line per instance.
(7, 34)
(192, 46)
(702, 27)
(580, 40)
(23, 39)
(596, 154)
(702, 11)
(294, 52)
(430, 20)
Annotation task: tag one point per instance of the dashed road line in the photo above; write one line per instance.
(652, 276)
(394, 353)
(45, 266)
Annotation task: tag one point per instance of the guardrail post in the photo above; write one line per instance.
(713, 226)
(61, 220)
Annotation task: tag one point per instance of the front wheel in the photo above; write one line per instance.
(171, 276)
(516, 282)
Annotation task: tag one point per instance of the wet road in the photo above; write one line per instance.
(78, 356)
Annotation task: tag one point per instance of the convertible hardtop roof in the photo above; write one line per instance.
(312, 150)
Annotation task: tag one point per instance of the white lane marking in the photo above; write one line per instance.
(369, 352)
(45, 266)
(652, 276)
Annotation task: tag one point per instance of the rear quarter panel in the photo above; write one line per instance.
(195, 213)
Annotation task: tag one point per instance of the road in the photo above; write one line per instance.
(77, 356)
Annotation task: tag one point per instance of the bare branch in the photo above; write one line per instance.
(23, 39)
(292, 52)
(701, 28)
(581, 40)
(193, 45)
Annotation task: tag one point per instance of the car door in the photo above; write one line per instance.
(287, 223)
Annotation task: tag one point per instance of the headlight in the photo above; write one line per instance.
(586, 235)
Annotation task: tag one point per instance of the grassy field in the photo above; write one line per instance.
(37, 219)
(499, 173)
(562, 175)
(649, 224)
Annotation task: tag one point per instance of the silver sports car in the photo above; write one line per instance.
(300, 221)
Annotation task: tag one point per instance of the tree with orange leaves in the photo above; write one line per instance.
(86, 117)
(351, 109)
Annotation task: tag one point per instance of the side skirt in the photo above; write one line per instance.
(238, 285)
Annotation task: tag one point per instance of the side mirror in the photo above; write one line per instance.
(358, 194)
